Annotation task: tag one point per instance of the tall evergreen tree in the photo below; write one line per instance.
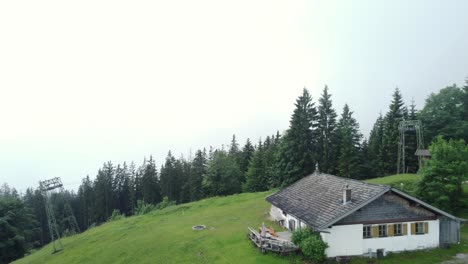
(296, 157)
(326, 133)
(104, 194)
(170, 184)
(375, 148)
(150, 189)
(236, 154)
(257, 179)
(391, 135)
(411, 144)
(349, 143)
(199, 164)
(223, 174)
(246, 156)
(86, 196)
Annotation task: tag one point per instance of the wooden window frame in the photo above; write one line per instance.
(419, 228)
(398, 229)
(383, 231)
(367, 231)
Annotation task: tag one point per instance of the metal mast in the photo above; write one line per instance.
(404, 126)
(46, 187)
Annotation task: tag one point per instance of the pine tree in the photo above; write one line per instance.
(104, 193)
(246, 156)
(86, 196)
(171, 178)
(326, 150)
(375, 148)
(150, 183)
(349, 143)
(256, 174)
(236, 154)
(199, 164)
(296, 157)
(223, 174)
(391, 135)
(411, 144)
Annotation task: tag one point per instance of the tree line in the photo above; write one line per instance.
(317, 134)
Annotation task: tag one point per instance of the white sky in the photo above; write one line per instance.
(85, 82)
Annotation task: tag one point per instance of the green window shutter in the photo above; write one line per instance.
(405, 229)
(426, 227)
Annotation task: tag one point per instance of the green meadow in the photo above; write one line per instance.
(166, 236)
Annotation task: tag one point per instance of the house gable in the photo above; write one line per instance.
(389, 207)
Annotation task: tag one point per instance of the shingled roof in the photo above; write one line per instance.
(317, 199)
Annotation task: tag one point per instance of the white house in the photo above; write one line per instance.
(357, 218)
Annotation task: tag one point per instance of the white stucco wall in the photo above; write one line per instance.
(408, 242)
(277, 214)
(347, 240)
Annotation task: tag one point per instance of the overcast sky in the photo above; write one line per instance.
(84, 82)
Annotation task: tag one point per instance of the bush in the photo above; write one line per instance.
(165, 203)
(311, 244)
(116, 215)
(143, 208)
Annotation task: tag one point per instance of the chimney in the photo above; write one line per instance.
(346, 195)
(316, 172)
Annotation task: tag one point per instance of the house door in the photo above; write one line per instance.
(292, 225)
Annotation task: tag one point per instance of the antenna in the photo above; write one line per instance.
(46, 187)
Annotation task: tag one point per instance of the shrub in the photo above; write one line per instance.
(165, 203)
(143, 208)
(311, 244)
(116, 215)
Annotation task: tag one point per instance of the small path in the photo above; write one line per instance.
(461, 258)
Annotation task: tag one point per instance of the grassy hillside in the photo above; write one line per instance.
(166, 236)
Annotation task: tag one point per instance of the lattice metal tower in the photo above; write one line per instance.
(46, 187)
(404, 126)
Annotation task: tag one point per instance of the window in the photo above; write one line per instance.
(419, 227)
(397, 230)
(382, 230)
(367, 231)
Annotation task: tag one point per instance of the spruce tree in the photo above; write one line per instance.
(296, 155)
(349, 143)
(326, 149)
(222, 176)
(375, 148)
(391, 134)
(246, 156)
(168, 178)
(150, 183)
(256, 177)
(199, 164)
(411, 144)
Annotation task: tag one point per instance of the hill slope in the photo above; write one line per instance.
(166, 236)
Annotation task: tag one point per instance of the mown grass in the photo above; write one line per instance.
(165, 236)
